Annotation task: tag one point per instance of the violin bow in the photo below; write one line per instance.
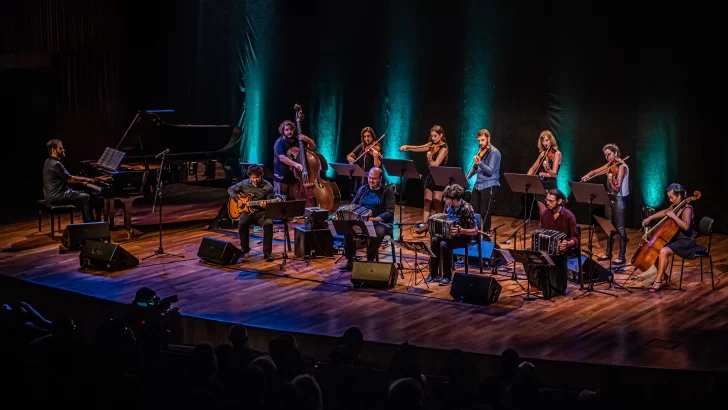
(367, 150)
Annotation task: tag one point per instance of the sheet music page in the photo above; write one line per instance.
(331, 227)
(506, 255)
(370, 228)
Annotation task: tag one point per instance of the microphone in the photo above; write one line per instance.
(165, 152)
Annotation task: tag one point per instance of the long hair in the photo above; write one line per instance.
(551, 138)
(369, 130)
(438, 129)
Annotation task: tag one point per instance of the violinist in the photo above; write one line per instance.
(437, 151)
(369, 160)
(488, 180)
(683, 244)
(285, 182)
(547, 165)
(618, 188)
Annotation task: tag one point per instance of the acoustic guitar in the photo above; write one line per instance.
(249, 207)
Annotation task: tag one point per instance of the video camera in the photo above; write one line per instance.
(153, 318)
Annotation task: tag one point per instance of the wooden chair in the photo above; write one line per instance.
(54, 210)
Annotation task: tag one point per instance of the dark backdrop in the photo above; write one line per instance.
(642, 75)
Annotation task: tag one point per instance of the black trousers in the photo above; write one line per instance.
(372, 246)
(78, 199)
(442, 248)
(482, 202)
(257, 218)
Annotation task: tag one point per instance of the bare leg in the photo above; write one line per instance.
(438, 201)
(662, 263)
(426, 207)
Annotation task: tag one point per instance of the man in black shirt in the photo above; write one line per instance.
(261, 190)
(380, 200)
(56, 180)
(285, 182)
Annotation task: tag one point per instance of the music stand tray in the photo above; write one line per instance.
(284, 210)
(404, 168)
(585, 192)
(526, 184)
(351, 227)
(350, 171)
(444, 176)
(417, 247)
(531, 259)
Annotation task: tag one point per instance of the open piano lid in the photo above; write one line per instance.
(150, 134)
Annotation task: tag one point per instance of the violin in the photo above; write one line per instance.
(550, 154)
(613, 169)
(435, 148)
(657, 237)
(474, 168)
(374, 146)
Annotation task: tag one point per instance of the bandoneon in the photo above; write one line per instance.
(547, 240)
(440, 225)
(353, 212)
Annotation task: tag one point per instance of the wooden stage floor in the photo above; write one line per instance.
(668, 329)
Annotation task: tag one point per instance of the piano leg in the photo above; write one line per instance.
(128, 202)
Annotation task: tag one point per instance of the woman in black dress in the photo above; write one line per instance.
(367, 161)
(437, 152)
(683, 244)
(547, 165)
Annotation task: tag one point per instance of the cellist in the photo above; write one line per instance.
(284, 181)
(618, 187)
(683, 244)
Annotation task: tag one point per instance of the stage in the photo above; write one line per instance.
(668, 330)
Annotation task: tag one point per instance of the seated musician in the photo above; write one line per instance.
(380, 200)
(683, 244)
(285, 182)
(557, 217)
(461, 234)
(261, 190)
(56, 180)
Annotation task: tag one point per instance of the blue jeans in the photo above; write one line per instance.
(615, 213)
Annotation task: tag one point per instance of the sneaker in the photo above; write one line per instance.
(346, 268)
(604, 258)
(444, 281)
(269, 258)
(431, 278)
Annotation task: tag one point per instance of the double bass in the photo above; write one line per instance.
(657, 237)
(312, 187)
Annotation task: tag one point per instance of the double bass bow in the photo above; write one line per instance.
(312, 187)
(657, 237)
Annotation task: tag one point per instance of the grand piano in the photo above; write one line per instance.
(130, 171)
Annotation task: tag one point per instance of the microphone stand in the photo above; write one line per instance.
(160, 251)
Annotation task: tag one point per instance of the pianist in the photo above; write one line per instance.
(261, 190)
(380, 199)
(56, 180)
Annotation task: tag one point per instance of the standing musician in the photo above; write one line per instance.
(380, 199)
(285, 182)
(56, 180)
(369, 160)
(618, 188)
(261, 190)
(461, 234)
(437, 152)
(547, 165)
(683, 244)
(558, 218)
(488, 180)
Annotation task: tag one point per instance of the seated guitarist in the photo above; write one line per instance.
(380, 200)
(261, 190)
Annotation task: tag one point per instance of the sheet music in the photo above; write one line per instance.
(370, 228)
(506, 255)
(111, 159)
(331, 227)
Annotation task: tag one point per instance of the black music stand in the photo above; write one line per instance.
(591, 194)
(349, 170)
(612, 232)
(284, 210)
(351, 227)
(404, 168)
(525, 183)
(417, 247)
(531, 260)
(160, 251)
(444, 176)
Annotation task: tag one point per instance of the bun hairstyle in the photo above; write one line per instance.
(614, 148)
(677, 189)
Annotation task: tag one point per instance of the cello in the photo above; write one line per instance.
(312, 187)
(657, 237)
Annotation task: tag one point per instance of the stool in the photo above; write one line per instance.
(54, 210)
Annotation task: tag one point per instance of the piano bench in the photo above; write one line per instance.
(54, 210)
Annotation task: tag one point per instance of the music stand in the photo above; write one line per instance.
(350, 170)
(591, 194)
(284, 210)
(525, 183)
(351, 227)
(530, 260)
(444, 176)
(612, 232)
(416, 247)
(405, 168)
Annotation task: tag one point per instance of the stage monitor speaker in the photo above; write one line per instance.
(317, 242)
(316, 218)
(600, 273)
(373, 274)
(76, 235)
(106, 256)
(218, 251)
(475, 289)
